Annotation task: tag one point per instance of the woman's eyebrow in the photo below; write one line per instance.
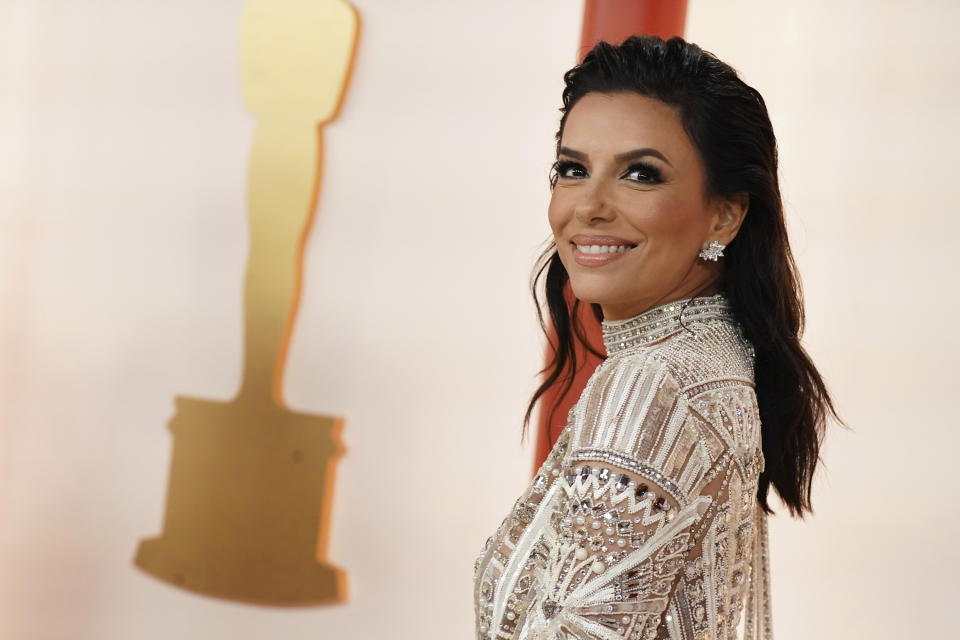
(639, 153)
(620, 157)
(567, 151)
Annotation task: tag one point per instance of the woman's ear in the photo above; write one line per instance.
(730, 214)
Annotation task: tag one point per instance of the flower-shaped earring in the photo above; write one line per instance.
(713, 251)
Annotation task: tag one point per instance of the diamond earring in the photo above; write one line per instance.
(713, 251)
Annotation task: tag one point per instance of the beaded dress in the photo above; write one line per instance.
(643, 522)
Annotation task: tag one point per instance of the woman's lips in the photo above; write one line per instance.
(592, 251)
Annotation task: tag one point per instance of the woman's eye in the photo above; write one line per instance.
(644, 173)
(567, 169)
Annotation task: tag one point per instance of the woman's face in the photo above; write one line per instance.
(629, 211)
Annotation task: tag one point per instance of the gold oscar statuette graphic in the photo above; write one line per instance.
(247, 511)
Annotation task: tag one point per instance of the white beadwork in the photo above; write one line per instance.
(646, 503)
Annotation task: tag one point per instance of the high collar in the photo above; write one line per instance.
(662, 320)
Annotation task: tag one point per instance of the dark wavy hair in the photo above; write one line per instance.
(727, 122)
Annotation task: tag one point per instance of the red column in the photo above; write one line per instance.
(612, 21)
(616, 20)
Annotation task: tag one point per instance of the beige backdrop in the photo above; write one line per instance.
(123, 150)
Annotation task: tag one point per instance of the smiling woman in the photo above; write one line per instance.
(650, 201)
(648, 518)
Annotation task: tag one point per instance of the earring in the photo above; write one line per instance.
(713, 251)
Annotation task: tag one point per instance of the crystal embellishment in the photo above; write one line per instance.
(550, 608)
(713, 251)
(663, 320)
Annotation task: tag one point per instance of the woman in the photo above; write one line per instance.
(648, 518)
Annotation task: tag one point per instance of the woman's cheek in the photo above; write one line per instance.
(556, 223)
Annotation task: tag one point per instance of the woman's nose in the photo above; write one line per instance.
(593, 205)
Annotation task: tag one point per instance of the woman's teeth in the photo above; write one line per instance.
(602, 248)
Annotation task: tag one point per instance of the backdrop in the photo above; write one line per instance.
(124, 151)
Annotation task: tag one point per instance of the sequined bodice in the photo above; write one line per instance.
(643, 521)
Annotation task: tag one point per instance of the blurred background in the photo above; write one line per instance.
(124, 153)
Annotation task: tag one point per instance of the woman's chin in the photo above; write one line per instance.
(593, 294)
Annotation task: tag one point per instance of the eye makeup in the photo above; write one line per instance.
(646, 173)
(561, 167)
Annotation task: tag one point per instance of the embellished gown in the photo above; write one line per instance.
(643, 522)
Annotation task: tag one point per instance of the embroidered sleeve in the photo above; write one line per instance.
(625, 507)
(632, 504)
(643, 523)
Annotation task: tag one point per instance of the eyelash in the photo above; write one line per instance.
(654, 175)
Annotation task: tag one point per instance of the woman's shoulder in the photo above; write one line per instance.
(707, 352)
(702, 356)
(676, 407)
